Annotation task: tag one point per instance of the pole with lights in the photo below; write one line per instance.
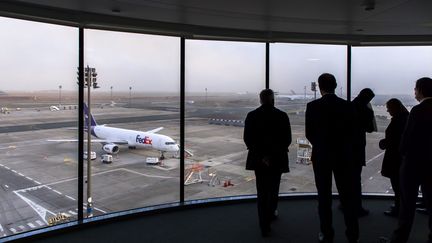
(60, 88)
(314, 89)
(130, 96)
(111, 92)
(90, 80)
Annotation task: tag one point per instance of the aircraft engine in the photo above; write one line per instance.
(111, 148)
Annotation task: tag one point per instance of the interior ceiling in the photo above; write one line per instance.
(326, 17)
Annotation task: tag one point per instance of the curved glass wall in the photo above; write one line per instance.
(223, 80)
(136, 161)
(138, 100)
(293, 68)
(390, 72)
(38, 99)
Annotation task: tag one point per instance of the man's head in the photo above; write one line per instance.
(327, 83)
(267, 97)
(366, 95)
(423, 88)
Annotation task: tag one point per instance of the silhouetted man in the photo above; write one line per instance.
(267, 135)
(329, 128)
(364, 123)
(416, 165)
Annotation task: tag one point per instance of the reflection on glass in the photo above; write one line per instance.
(293, 70)
(38, 99)
(390, 72)
(138, 100)
(223, 80)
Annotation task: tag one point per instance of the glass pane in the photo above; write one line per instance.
(293, 68)
(390, 72)
(223, 80)
(38, 99)
(138, 100)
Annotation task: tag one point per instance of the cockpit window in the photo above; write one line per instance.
(169, 143)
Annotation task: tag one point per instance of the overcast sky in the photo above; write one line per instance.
(38, 56)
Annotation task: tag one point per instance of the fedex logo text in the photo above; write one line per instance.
(145, 140)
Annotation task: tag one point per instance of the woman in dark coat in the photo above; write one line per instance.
(392, 158)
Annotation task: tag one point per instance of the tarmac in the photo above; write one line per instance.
(38, 178)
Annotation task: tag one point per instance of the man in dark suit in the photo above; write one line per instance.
(267, 135)
(329, 128)
(416, 165)
(364, 123)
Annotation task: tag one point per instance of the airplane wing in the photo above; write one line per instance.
(155, 130)
(93, 141)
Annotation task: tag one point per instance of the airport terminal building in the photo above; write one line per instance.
(165, 87)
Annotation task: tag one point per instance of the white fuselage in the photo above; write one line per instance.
(136, 138)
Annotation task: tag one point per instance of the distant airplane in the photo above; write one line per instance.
(112, 137)
(295, 96)
(4, 110)
(54, 108)
(111, 104)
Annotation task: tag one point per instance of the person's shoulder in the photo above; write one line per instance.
(254, 111)
(314, 102)
(342, 100)
(279, 111)
(252, 114)
(425, 103)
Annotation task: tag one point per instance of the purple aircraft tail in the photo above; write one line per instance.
(86, 117)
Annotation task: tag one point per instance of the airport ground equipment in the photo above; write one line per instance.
(107, 158)
(304, 151)
(152, 160)
(225, 122)
(214, 178)
(194, 174)
(92, 155)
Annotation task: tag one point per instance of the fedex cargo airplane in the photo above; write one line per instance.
(112, 137)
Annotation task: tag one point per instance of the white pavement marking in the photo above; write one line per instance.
(1, 165)
(41, 211)
(57, 192)
(374, 158)
(147, 175)
(39, 223)
(109, 171)
(31, 225)
(71, 198)
(37, 182)
(371, 178)
(20, 174)
(22, 227)
(6, 186)
(13, 230)
(29, 178)
(14, 171)
(2, 231)
(72, 212)
(98, 209)
(67, 215)
(7, 167)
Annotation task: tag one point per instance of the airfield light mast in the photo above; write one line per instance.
(90, 81)
(206, 95)
(60, 87)
(314, 89)
(111, 93)
(130, 96)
